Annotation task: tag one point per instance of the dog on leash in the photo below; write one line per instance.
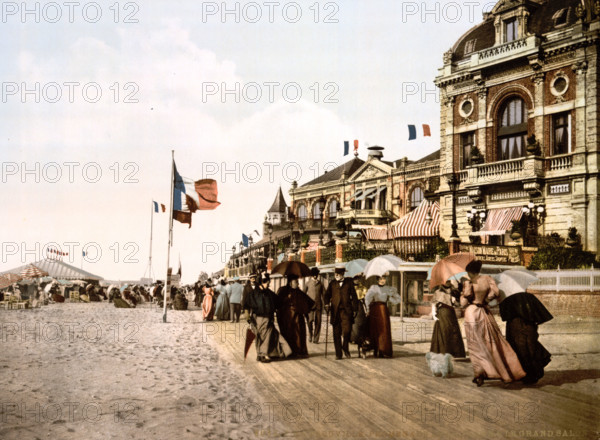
(440, 364)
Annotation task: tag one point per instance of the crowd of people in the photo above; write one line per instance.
(356, 315)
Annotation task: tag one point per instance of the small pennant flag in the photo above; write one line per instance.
(412, 132)
(426, 130)
(155, 206)
(346, 148)
(245, 240)
(83, 253)
(163, 207)
(356, 146)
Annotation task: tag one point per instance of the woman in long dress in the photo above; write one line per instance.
(222, 307)
(379, 316)
(292, 306)
(446, 336)
(491, 355)
(208, 308)
(523, 312)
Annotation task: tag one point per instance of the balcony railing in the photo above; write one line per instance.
(561, 162)
(505, 171)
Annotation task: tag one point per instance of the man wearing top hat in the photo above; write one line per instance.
(315, 291)
(341, 299)
(250, 285)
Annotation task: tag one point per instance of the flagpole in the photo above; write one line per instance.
(149, 269)
(170, 236)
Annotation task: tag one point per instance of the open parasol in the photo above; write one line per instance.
(32, 271)
(297, 268)
(378, 266)
(355, 267)
(514, 281)
(448, 267)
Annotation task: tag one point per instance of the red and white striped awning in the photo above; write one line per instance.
(499, 220)
(413, 224)
(378, 233)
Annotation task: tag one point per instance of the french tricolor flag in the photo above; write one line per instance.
(190, 196)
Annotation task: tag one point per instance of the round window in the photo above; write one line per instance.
(559, 86)
(466, 108)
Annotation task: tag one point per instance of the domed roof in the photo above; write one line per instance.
(542, 19)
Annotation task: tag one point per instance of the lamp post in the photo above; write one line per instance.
(322, 202)
(301, 233)
(453, 185)
(535, 216)
(291, 219)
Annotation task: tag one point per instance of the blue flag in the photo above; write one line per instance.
(245, 240)
(346, 148)
(412, 132)
(155, 206)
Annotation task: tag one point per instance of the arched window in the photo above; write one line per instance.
(512, 129)
(302, 212)
(416, 197)
(316, 211)
(333, 209)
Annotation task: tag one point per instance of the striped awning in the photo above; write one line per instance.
(369, 192)
(414, 224)
(357, 194)
(499, 220)
(378, 233)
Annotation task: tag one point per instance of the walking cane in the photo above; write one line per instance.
(326, 330)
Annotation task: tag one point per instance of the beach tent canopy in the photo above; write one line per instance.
(59, 270)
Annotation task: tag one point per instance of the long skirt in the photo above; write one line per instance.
(293, 329)
(491, 355)
(380, 328)
(208, 308)
(222, 307)
(446, 333)
(523, 338)
(267, 337)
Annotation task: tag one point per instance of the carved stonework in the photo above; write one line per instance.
(482, 93)
(538, 78)
(475, 195)
(580, 67)
(467, 121)
(533, 188)
(448, 57)
(371, 172)
(449, 101)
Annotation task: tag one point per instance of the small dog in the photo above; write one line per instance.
(440, 364)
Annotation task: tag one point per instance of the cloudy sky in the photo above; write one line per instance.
(95, 95)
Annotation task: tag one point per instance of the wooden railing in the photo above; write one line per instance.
(567, 280)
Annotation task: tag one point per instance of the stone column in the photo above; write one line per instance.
(339, 250)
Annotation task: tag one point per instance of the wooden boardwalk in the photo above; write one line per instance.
(321, 397)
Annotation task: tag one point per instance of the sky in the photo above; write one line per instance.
(95, 96)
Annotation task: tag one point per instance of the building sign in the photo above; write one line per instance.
(493, 254)
(560, 188)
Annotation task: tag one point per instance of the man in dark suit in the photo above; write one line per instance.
(341, 299)
(315, 290)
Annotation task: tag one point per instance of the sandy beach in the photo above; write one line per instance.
(74, 370)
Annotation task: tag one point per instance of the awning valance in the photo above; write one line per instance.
(414, 223)
(379, 232)
(499, 221)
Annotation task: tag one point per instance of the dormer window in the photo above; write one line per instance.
(511, 30)
(560, 17)
(470, 46)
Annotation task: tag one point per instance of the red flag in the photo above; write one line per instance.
(355, 145)
(426, 130)
(163, 207)
(207, 190)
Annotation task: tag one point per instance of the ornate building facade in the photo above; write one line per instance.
(519, 124)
